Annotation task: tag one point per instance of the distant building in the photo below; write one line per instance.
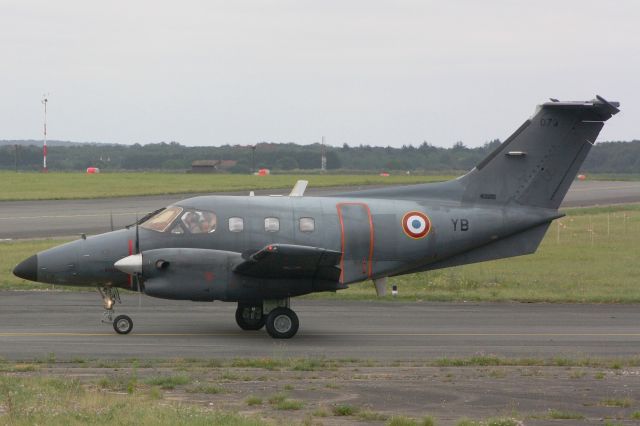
(212, 166)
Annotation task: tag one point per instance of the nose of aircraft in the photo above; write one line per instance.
(27, 269)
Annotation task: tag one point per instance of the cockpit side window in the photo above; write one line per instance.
(161, 221)
(199, 222)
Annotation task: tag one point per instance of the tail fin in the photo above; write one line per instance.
(536, 165)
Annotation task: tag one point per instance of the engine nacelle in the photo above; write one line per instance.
(189, 274)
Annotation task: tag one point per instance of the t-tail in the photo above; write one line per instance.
(531, 171)
(524, 181)
(536, 165)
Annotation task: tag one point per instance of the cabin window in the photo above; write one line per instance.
(199, 222)
(160, 222)
(271, 224)
(236, 224)
(307, 224)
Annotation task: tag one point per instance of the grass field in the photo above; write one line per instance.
(64, 186)
(313, 391)
(589, 256)
(64, 401)
(614, 176)
(39, 186)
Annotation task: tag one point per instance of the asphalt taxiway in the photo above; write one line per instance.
(67, 325)
(51, 218)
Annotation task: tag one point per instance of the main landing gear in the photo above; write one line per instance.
(122, 324)
(281, 322)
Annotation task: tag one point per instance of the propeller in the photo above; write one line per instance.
(137, 251)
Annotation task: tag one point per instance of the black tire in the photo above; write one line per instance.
(282, 323)
(244, 318)
(122, 324)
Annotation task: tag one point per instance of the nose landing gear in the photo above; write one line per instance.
(122, 324)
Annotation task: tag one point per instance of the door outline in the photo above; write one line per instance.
(342, 237)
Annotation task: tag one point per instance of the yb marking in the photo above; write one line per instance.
(463, 224)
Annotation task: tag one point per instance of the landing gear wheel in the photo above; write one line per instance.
(122, 324)
(282, 323)
(249, 317)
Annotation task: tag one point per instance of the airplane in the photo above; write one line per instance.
(260, 251)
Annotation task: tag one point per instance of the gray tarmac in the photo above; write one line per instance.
(37, 324)
(55, 218)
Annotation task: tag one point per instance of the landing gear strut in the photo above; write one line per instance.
(250, 317)
(122, 324)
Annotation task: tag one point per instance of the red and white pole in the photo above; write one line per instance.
(44, 146)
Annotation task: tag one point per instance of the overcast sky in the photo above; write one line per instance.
(371, 72)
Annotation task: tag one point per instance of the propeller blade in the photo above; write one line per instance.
(111, 219)
(137, 236)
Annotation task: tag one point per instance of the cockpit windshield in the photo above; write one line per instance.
(161, 221)
(178, 220)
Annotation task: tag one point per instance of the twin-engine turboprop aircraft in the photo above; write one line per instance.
(261, 251)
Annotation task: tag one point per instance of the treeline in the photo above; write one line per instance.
(606, 157)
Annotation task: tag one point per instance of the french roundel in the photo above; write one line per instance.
(416, 224)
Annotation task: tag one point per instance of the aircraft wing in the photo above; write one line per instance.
(292, 261)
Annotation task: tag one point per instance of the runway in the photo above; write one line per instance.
(54, 218)
(67, 325)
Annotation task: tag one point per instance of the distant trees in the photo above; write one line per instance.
(607, 157)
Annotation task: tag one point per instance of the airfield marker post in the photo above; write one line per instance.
(44, 143)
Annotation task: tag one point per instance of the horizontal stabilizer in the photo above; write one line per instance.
(519, 244)
(292, 261)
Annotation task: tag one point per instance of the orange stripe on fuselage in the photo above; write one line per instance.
(342, 238)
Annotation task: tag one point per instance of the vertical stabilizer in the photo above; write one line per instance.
(536, 165)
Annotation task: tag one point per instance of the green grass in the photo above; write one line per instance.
(320, 412)
(616, 402)
(253, 400)
(280, 402)
(289, 404)
(614, 176)
(490, 422)
(344, 410)
(206, 389)
(407, 421)
(52, 401)
(371, 416)
(63, 186)
(401, 421)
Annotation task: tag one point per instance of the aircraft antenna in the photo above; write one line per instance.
(45, 99)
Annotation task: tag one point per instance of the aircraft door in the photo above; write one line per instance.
(356, 238)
